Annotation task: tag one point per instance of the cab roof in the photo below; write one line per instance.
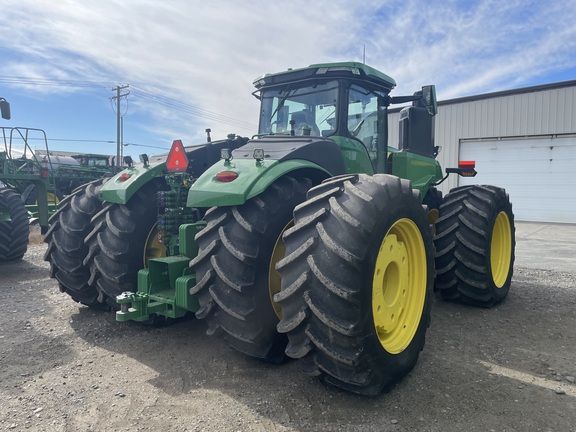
(354, 70)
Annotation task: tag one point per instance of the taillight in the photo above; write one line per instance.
(467, 164)
(177, 160)
(467, 168)
(226, 176)
(124, 177)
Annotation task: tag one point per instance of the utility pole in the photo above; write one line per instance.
(119, 122)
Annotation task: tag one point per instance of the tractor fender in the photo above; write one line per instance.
(124, 185)
(120, 188)
(252, 179)
(247, 176)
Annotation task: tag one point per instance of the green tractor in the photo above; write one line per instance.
(315, 239)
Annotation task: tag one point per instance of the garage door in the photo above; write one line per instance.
(538, 173)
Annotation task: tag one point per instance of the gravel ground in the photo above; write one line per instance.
(65, 367)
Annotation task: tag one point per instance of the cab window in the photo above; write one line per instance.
(311, 106)
(363, 118)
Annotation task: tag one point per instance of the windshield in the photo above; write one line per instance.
(311, 106)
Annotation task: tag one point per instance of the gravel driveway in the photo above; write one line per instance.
(65, 367)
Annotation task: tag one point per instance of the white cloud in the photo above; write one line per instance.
(207, 54)
(487, 46)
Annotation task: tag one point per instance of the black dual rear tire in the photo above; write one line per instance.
(235, 269)
(66, 248)
(118, 244)
(357, 281)
(475, 245)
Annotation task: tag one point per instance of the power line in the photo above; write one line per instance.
(144, 145)
(52, 82)
(190, 109)
(138, 92)
(71, 140)
(94, 141)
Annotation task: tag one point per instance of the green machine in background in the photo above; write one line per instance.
(32, 183)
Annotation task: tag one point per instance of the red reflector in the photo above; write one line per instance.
(226, 176)
(177, 160)
(125, 176)
(467, 164)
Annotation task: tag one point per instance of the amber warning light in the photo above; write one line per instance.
(177, 160)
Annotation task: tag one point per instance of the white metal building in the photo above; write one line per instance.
(523, 140)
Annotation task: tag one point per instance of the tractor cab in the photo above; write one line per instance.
(348, 103)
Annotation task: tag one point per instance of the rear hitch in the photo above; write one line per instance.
(133, 306)
(163, 289)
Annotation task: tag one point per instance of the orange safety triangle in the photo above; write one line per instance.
(177, 160)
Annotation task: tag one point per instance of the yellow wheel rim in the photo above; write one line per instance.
(501, 249)
(154, 248)
(399, 286)
(274, 279)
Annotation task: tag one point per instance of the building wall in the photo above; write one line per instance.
(530, 112)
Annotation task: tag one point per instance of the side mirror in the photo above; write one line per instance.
(429, 99)
(5, 108)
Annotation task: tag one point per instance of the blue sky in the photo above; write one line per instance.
(190, 64)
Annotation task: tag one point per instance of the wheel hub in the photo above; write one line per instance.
(154, 248)
(501, 249)
(399, 286)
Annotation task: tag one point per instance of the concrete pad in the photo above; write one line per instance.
(543, 246)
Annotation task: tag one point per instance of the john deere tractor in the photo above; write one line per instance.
(316, 239)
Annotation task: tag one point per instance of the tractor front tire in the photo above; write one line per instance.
(119, 243)
(475, 245)
(66, 248)
(235, 269)
(357, 282)
(13, 233)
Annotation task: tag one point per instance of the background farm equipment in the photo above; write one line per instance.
(32, 183)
